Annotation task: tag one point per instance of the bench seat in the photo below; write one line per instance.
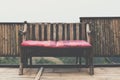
(57, 44)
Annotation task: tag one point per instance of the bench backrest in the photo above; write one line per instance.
(54, 31)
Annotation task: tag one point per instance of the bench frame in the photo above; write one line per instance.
(83, 52)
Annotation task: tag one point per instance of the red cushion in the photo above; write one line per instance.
(73, 43)
(58, 44)
(39, 43)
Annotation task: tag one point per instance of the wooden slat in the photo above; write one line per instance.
(68, 31)
(111, 38)
(5, 39)
(71, 31)
(17, 39)
(117, 38)
(48, 31)
(83, 31)
(42, 26)
(14, 39)
(65, 26)
(112, 23)
(77, 32)
(1, 39)
(37, 31)
(45, 31)
(54, 31)
(9, 39)
(106, 37)
(60, 31)
(119, 34)
(114, 30)
(31, 37)
(33, 32)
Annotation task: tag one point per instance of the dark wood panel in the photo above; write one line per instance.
(105, 35)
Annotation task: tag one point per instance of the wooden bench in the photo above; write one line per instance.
(55, 40)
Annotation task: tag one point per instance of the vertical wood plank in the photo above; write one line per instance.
(5, 39)
(45, 31)
(119, 34)
(31, 37)
(37, 31)
(42, 26)
(54, 32)
(77, 32)
(71, 31)
(13, 39)
(60, 31)
(68, 31)
(83, 30)
(33, 32)
(9, 39)
(17, 41)
(65, 26)
(48, 31)
(114, 36)
(1, 39)
(117, 43)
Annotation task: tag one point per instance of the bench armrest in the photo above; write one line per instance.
(88, 33)
(22, 33)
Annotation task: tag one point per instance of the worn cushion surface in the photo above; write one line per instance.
(39, 43)
(58, 44)
(73, 43)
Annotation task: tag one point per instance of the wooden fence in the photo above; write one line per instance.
(105, 34)
(9, 45)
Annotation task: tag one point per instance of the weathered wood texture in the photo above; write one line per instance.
(54, 31)
(105, 35)
(9, 45)
(9, 42)
(81, 74)
(101, 73)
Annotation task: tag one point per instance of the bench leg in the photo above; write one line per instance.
(78, 60)
(87, 60)
(25, 60)
(30, 60)
(21, 66)
(91, 64)
(21, 62)
(21, 69)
